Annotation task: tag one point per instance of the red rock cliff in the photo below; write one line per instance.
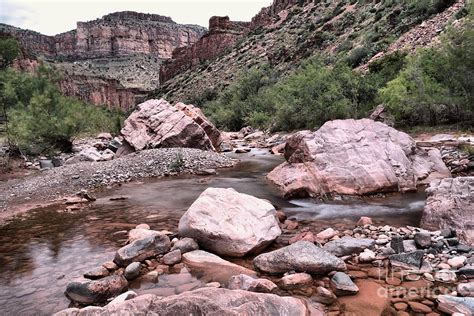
(222, 34)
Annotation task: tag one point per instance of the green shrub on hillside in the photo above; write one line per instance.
(9, 50)
(436, 85)
(40, 119)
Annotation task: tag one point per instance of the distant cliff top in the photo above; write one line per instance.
(131, 15)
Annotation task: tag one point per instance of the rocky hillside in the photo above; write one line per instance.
(289, 31)
(114, 60)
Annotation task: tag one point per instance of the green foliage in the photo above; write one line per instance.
(357, 56)
(41, 119)
(9, 50)
(436, 85)
(178, 163)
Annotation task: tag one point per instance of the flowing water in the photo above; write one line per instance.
(41, 252)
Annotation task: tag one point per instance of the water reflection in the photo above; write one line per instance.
(42, 251)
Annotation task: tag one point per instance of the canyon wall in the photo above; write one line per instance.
(112, 49)
(116, 34)
(222, 34)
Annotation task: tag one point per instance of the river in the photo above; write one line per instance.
(41, 252)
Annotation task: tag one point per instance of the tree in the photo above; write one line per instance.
(9, 50)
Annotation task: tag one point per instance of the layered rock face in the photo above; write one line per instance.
(222, 34)
(103, 60)
(355, 157)
(116, 34)
(450, 204)
(230, 223)
(156, 123)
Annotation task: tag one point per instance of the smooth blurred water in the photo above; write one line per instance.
(41, 252)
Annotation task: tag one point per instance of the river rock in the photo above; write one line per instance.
(97, 273)
(140, 233)
(397, 244)
(342, 285)
(355, 157)
(407, 260)
(211, 267)
(296, 281)
(203, 301)
(141, 249)
(122, 298)
(230, 223)
(422, 239)
(157, 123)
(457, 262)
(367, 256)
(185, 245)
(324, 296)
(452, 304)
(450, 204)
(302, 256)
(348, 245)
(466, 289)
(248, 283)
(132, 270)
(445, 276)
(96, 291)
(172, 257)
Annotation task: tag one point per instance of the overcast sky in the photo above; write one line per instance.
(56, 16)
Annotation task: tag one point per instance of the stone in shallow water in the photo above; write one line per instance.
(132, 270)
(185, 245)
(88, 292)
(348, 245)
(212, 268)
(342, 285)
(230, 223)
(97, 273)
(302, 256)
(141, 249)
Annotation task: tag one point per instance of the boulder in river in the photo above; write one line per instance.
(140, 249)
(302, 256)
(230, 223)
(450, 204)
(204, 301)
(248, 283)
(97, 291)
(342, 285)
(452, 304)
(157, 123)
(355, 157)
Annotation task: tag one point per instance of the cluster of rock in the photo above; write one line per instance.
(355, 157)
(375, 269)
(456, 152)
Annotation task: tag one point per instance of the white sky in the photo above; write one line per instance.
(56, 16)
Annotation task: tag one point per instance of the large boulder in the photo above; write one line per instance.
(230, 223)
(204, 301)
(302, 256)
(141, 249)
(450, 204)
(354, 157)
(97, 291)
(157, 123)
